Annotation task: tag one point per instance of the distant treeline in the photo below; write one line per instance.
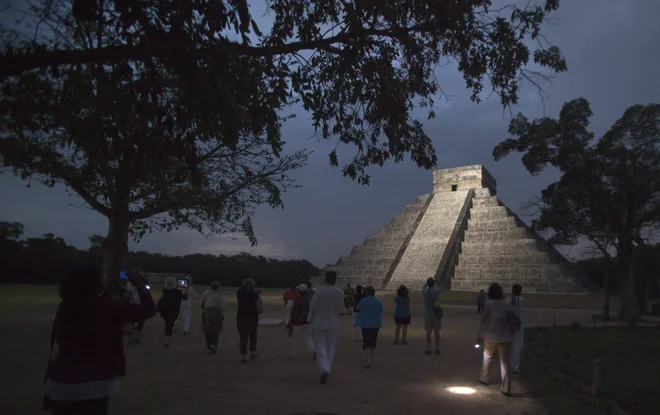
(43, 260)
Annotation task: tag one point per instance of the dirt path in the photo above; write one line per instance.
(184, 380)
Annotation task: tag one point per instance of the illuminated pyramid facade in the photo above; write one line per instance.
(462, 236)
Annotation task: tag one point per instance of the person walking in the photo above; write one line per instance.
(247, 319)
(87, 330)
(432, 314)
(359, 295)
(299, 325)
(518, 303)
(213, 304)
(497, 332)
(169, 307)
(402, 314)
(371, 320)
(186, 308)
(136, 335)
(481, 300)
(289, 296)
(349, 299)
(324, 313)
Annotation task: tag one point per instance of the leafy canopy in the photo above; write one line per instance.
(358, 67)
(609, 189)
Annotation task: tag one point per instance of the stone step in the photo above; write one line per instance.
(472, 235)
(354, 281)
(385, 238)
(368, 261)
(503, 246)
(375, 251)
(489, 214)
(501, 258)
(508, 271)
(501, 223)
(485, 201)
(548, 285)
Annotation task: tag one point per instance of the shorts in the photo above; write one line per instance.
(402, 321)
(369, 337)
(432, 322)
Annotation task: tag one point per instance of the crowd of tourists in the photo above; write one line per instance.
(95, 317)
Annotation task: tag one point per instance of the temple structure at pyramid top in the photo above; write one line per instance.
(465, 238)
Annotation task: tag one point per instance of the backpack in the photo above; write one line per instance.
(513, 321)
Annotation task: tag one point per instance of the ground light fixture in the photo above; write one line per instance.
(461, 390)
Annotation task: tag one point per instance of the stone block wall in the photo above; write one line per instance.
(462, 178)
(499, 248)
(424, 252)
(370, 263)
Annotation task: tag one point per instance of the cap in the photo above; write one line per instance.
(302, 287)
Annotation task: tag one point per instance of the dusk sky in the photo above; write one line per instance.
(611, 48)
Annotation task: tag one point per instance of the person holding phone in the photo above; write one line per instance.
(88, 332)
(186, 305)
(169, 306)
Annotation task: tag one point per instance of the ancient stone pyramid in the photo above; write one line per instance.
(465, 238)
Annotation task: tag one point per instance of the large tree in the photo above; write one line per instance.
(167, 113)
(609, 189)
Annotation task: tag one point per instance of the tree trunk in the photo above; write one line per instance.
(115, 245)
(606, 293)
(629, 308)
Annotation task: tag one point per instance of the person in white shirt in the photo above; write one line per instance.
(213, 304)
(496, 334)
(518, 302)
(324, 311)
(186, 309)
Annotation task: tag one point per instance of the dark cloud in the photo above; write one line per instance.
(611, 49)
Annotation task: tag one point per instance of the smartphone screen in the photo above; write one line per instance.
(183, 283)
(123, 275)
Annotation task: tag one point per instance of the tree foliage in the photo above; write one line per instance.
(163, 113)
(609, 189)
(43, 260)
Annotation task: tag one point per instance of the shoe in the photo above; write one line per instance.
(404, 343)
(516, 372)
(209, 351)
(324, 378)
(185, 333)
(314, 358)
(483, 383)
(167, 346)
(507, 394)
(254, 355)
(438, 352)
(368, 365)
(243, 360)
(428, 352)
(396, 342)
(214, 349)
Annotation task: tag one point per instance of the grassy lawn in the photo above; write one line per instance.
(630, 364)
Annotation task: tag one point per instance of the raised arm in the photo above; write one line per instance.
(133, 313)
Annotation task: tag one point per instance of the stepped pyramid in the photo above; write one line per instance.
(462, 236)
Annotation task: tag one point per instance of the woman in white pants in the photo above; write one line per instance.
(517, 302)
(298, 322)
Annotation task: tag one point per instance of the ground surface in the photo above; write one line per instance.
(184, 380)
(629, 361)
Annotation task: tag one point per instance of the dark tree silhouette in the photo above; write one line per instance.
(162, 114)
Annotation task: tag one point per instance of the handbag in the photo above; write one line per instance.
(436, 306)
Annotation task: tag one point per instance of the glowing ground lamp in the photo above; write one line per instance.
(461, 390)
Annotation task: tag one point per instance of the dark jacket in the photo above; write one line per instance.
(247, 306)
(358, 297)
(300, 311)
(170, 304)
(90, 338)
